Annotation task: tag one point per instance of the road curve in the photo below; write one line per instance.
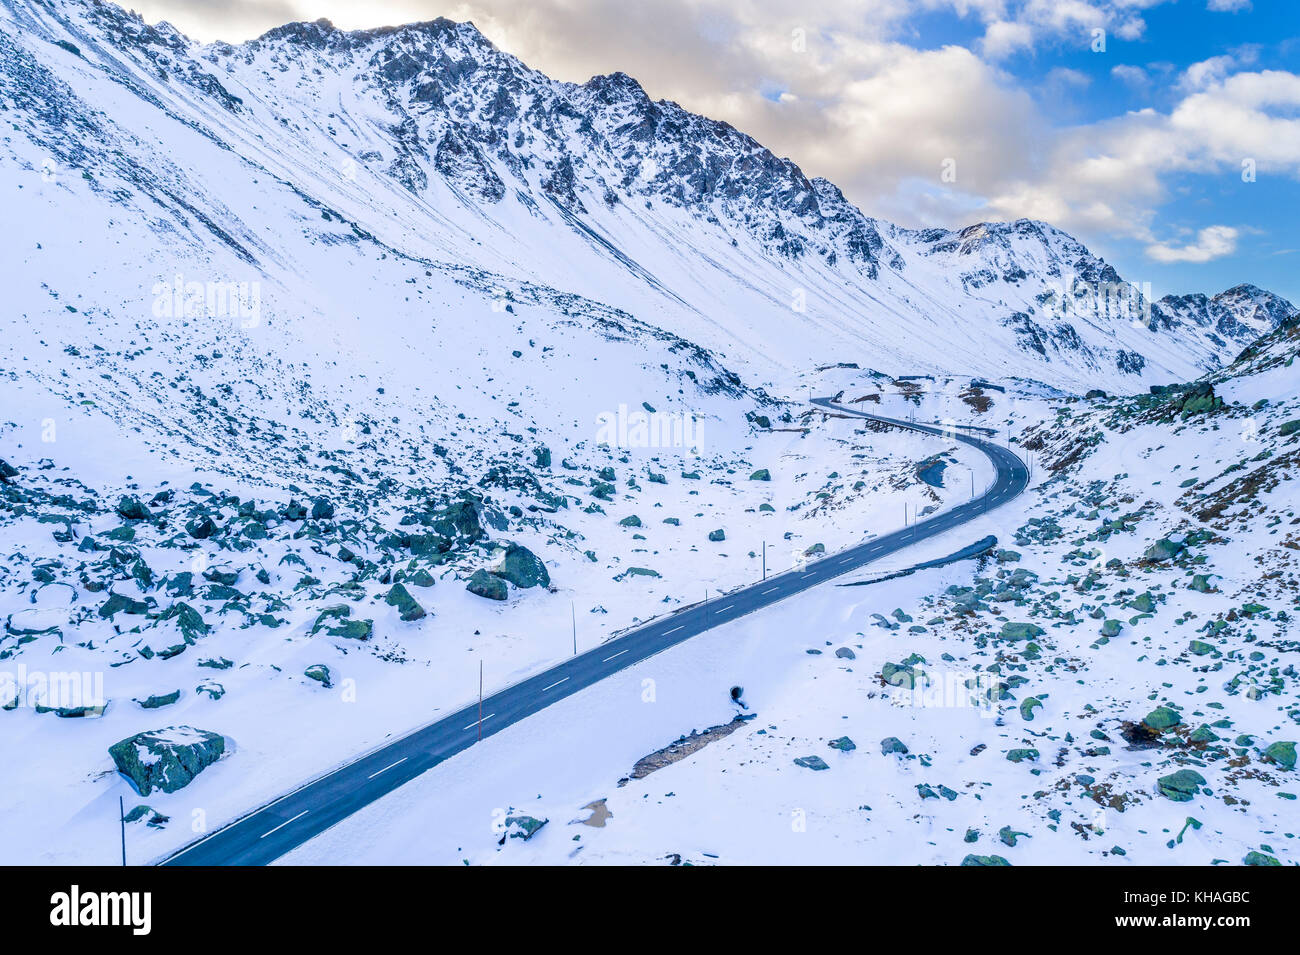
(280, 826)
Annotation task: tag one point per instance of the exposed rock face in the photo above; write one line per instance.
(166, 759)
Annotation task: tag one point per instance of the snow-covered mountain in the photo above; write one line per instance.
(1240, 314)
(339, 369)
(427, 143)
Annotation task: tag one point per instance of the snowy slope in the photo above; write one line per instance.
(1149, 717)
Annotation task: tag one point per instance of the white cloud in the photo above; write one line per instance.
(879, 117)
(1133, 76)
(1228, 6)
(1213, 242)
(1001, 39)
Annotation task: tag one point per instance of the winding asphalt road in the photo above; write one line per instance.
(273, 830)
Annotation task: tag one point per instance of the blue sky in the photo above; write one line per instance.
(1137, 148)
(1144, 72)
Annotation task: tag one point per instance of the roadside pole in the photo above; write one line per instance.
(121, 817)
(480, 701)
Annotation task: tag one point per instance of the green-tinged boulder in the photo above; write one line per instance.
(762, 474)
(483, 584)
(421, 578)
(523, 568)
(1143, 603)
(811, 762)
(630, 521)
(166, 759)
(321, 509)
(1181, 786)
(131, 509)
(1009, 836)
(1200, 647)
(336, 621)
(148, 815)
(1289, 428)
(407, 606)
(320, 673)
(1281, 754)
(160, 700)
(901, 675)
(1020, 755)
(188, 620)
(211, 689)
(1162, 718)
(892, 744)
(984, 860)
(1020, 631)
(843, 744)
(718, 535)
(227, 578)
(1254, 857)
(521, 826)
(1111, 628)
(1163, 550)
(638, 572)
(118, 603)
(1027, 707)
(201, 528)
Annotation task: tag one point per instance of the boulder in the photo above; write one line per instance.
(1163, 550)
(1281, 754)
(483, 584)
(1161, 719)
(407, 606)
(166, 759)
(1180, 786)
(811, 762)
(201, 528)
(523, 568)
(160, 700)
(1020, 631)
(130, 508)
(337, 623)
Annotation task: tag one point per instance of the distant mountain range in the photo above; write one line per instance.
(427, 143)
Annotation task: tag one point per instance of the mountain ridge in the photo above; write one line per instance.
(596, 189)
